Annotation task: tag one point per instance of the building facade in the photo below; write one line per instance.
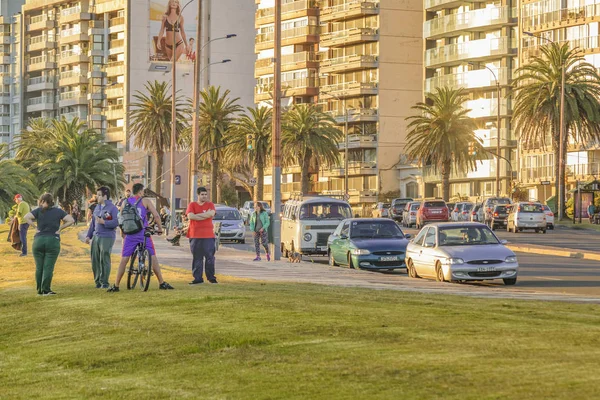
(357, 61)
(473, 45)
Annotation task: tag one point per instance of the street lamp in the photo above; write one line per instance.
(498, 129)
(561, 183)
(346, 139)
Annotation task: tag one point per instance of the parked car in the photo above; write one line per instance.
(381, 210)
(466, 251)
(461, 211)
(432, 211)
(397, 208)
(409, 217)
(488, 206)
(476, 213)
(526, 215)
(549, 216)
(499, 216)
(232, 224)
(248, 208)
(368, 243)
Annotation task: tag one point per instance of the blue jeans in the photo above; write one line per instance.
(23, 236)
(203, 252)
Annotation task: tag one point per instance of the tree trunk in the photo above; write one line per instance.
(446, 166)
(260, 182)
(304, 173)
(214, 174)
(562, 176)
(160, 160)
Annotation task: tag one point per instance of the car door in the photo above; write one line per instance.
(428, 253)
(415, 252)
(341, 244)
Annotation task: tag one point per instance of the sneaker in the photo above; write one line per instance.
(165, 286)
(50, 293)
(268, 257)
(256, 259)
(105, 286)
(22, 255)
(213, 281)
(195, 282)
(113, 289)
(98, 286)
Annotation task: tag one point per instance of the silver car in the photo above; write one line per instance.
(454, 252)
(409, 216)
(232, 224)
(526, 215)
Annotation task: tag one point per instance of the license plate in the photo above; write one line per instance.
(435, 212)
(226, 231)
(389, 258)
(486, 269)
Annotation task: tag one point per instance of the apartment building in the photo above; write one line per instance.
(361, 61)
(575, 22)
(473, 45)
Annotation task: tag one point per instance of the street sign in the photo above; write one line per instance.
(178, 179)
(252, 182)
(545, 182)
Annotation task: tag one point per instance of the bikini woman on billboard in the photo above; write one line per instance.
(172, 20)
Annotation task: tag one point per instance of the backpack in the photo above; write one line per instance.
(130, 220)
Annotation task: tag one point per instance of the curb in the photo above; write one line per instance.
(554, 251)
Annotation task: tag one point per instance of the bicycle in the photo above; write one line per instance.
(141, 271)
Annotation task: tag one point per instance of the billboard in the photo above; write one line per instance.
(166, 18)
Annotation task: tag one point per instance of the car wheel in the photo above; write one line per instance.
(350, 262)
(509, 281)
(331, 259)
(552, 227)
(411, 270)
(544, 231)
(439, 272)
(243, 241)
(537, 231)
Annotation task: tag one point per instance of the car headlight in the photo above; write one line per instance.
(360, 252)
(307, 237)
(511, 259)
(454, 261)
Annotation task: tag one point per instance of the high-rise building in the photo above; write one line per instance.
(360, 61)
(473, 45)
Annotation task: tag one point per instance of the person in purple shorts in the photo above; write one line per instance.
(130, 242)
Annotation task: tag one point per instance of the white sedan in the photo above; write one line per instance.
(549, 216)
(455, 252)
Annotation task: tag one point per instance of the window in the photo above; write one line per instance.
(345, 229)
(421, 236)
(430, 238)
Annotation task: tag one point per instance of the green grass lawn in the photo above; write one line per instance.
(251, 340)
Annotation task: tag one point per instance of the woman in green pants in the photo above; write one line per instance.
(46, 243)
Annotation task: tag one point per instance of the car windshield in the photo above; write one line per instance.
(531, 208)
(325, 210)
(434, 204)
(386, 205)
(227, 215)
(466, 236)
(500, 209)
(414, 206)
(493, 202)
(375, 230)
(467, 207)
(546, 208)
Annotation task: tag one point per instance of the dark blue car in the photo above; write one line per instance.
(368, 243)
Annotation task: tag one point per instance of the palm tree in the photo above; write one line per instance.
(151, 123)
(70, 159)
(257, 122)
(440, 135)
(307, 135)
(15, 179)
(217, 115)
(536, 112)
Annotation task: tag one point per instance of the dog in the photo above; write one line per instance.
(295, 257)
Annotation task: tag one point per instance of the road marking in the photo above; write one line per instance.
(543, 277)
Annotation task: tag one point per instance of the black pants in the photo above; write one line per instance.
(203, 252)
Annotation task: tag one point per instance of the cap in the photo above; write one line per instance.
(17, 196)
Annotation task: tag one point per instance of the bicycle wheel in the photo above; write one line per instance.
(132, 272)
(145, 271)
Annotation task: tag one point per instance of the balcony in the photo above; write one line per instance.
(42, 42)
(72, 98)
(117, 46)
(73, 35)
(362, 196)
(350, 9)
(72, 14)
(589, 44)
(349, 89)
(486, 108)
(73, 57)
(115, 112)
(73, 78)
(482, 19)
(6, 78)
(349, 36)
(474, 50)
(115, 68)
(115, 92)
(296, 9)
(72, 115)
(41, 83)
(40, 63)
(40, 22)
(116, 25)
(42, 103)
(486, 169)
(5, 100)
(299, 35)
(291, 187)
(356, 115)
(476, 79)
(96, 27)
(349, 63)
(294, 87)
(435, 5)
(489, 138)
(564, 16)
(114, 134)
(354, 168)
(289, 62)
(359, 142)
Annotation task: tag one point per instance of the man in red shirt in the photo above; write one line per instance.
(202, 237)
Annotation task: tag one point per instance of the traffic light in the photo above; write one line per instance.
(250, 142)
(472, 151)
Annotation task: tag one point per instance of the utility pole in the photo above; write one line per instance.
(173, 122)
(196, 99)
(276, 152)
(498, 140)
(562, 148)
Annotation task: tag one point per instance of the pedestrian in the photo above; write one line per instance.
(259, 225)
(143, 206)
(46, 243)
(75, 211)
(22, 210)
(92, 203)
(202, 237)
(102, 235)
(591, 211)
(180, 231)
(123, 199)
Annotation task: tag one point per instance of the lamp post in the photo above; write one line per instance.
(498, 128)
(276, 142)
(561, 183)
(346, 139)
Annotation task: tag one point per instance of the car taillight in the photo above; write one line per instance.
(551, 214)
(496, 214)
(464, 212)
(473, 213)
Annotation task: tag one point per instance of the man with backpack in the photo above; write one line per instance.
(133, 221)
